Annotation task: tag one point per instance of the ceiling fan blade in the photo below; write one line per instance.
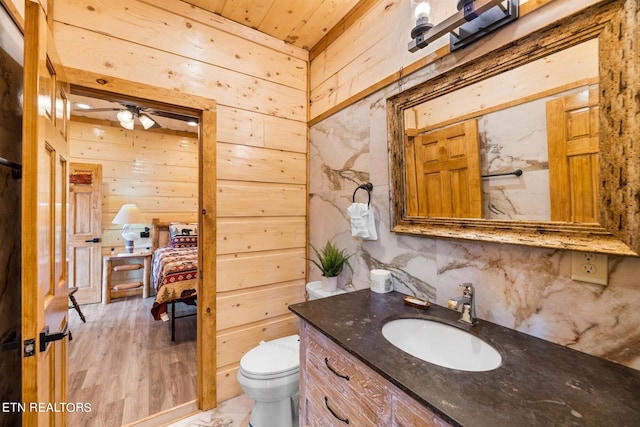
(156, 125)
(169, 115)
(92, 110)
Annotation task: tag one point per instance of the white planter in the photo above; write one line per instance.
(329, 284)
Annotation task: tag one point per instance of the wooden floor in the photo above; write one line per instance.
(123, 363)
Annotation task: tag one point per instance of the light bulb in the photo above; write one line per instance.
(422, 10)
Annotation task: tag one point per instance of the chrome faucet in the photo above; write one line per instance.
(466, 303)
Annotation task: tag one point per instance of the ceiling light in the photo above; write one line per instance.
(125, 116)
(127, 124)
(146, 121)
(82, 106)
(192, 123)
(474, 19)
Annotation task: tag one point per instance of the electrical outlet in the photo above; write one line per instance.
(589, 267)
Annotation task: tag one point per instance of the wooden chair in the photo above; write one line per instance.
(75, 303)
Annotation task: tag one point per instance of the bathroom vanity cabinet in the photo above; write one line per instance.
(337, 389)
(537, 384)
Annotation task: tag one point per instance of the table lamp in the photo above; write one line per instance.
(127, 215)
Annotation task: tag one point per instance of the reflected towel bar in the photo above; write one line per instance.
(16, 169)
(516, 172)
(368, 186)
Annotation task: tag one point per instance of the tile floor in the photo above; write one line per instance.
(230, 413)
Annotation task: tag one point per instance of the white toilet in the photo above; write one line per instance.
(270, 375)
(314, 290)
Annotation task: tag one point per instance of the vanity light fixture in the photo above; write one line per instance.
(421, 11)
(474, 19)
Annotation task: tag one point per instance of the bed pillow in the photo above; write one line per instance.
(183, 235)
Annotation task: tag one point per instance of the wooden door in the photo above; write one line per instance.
(85, 229)
(44, 226)
(573, 144)
(446, 167)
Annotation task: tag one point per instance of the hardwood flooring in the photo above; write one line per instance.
(123, 363)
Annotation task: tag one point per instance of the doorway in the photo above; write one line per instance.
(193, 196)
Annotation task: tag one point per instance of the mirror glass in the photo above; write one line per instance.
(527, 144)
(518, 118)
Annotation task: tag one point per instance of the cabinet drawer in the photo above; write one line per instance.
(328, 408)
(348, 383)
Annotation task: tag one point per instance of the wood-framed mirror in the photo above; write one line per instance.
(467, 100)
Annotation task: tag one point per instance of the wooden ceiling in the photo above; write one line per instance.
(303, 23)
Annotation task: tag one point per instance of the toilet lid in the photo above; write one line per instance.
(272, 358)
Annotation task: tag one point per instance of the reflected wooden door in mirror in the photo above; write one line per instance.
(443, 172)
(547, 105)
(574, 146)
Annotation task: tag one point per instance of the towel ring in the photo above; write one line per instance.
(368, 186)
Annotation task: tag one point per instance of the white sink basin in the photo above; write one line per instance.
(441, 344)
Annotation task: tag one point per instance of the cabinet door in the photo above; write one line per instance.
(407, 412)
(341, 388)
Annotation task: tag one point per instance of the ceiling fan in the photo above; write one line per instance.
(128, 113)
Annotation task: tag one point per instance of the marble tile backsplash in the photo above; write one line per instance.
(524, 288)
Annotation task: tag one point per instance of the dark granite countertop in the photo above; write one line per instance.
(538, 384)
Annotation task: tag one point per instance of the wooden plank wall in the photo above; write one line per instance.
(260, 85)
(372, 53)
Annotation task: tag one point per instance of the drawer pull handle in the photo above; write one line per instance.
(326, 362)
(326, 403)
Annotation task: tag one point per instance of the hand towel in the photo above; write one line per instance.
(362, 221)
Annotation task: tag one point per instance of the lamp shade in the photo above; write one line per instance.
(146, 121)
(128, 214)
(127, 125)
(125, 116)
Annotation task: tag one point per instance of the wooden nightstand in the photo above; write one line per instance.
(121, 265)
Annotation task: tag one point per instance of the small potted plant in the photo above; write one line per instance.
(331, 261)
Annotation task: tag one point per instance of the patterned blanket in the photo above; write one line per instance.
(174, 275)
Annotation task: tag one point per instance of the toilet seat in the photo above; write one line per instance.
(272, 359)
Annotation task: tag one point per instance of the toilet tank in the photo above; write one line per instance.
(314, 290)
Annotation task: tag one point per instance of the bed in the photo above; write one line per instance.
(174, 269)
